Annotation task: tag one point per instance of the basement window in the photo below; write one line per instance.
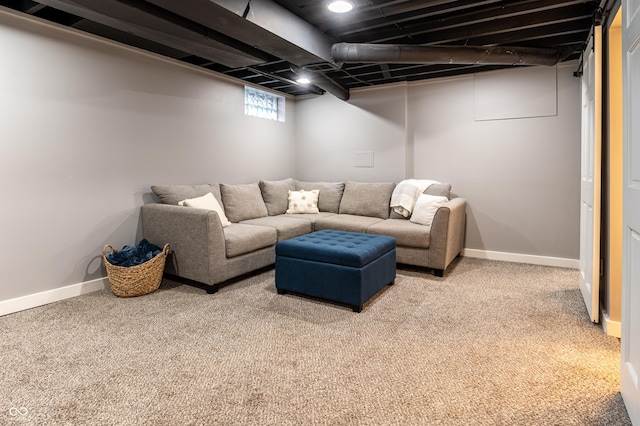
(258, 103)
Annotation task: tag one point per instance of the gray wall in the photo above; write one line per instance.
(87, 127)
(521, 177)
(330, 132)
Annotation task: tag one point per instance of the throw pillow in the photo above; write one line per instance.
(426, 207)
(243, 202)
(207, 202)
(275, 193)
(367, 199)
(303, 201)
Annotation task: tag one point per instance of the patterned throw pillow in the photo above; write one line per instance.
(303, 201)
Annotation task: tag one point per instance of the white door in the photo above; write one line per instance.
(590, 174)
(630, 340)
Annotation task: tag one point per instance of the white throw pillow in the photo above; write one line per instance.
(426, 208)
(303, 201)
(207, 202)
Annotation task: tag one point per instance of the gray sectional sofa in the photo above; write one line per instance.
(205, 251)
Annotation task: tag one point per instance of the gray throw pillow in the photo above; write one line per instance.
(173, 194)
(367, 199)
(275, 194)
(242, 202)
(330, 194)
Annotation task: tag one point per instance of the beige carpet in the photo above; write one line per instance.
(492, 343)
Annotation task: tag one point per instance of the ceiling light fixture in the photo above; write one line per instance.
(303, 80)
(340, 6)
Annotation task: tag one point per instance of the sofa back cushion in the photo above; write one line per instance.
(367, 199)
(275, 193)
(329, 196)
(439, 189)
(173, 194)
(242, 202)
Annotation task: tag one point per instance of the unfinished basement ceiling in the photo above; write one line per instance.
(270, 43)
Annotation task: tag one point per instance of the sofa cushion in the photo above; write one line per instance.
(406, 233)
(173, 194)
(367, 199)
(242, 202)
(426, 208)
(312, 218)
(346, 222)
(207, 202)
(240, 238)
(285, 225)
(274, 194)
(303, 202)
(329, 196)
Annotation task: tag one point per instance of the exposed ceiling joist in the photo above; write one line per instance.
(260, 23)
(454, 30)
(463, 12)
(136, 17)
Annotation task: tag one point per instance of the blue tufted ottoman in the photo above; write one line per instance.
(344, 267)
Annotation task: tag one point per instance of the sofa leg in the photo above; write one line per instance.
(213, 289)
(280, 291)
(438, 272)
(357, 309)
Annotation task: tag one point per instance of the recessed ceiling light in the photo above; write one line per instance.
(340, 6)
(303, 80)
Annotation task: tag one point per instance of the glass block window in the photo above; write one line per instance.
(258, 103)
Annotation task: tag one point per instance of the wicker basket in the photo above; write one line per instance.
(130, 281)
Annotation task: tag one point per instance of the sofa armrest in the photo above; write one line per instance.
(196, 238)
(447, 233)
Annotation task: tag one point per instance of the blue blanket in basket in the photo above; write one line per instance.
(132, 256)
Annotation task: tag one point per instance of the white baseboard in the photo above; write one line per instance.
(43, 298)
(522, 258)
(611, 328)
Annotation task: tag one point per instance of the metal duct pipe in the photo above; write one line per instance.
(464, 55)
